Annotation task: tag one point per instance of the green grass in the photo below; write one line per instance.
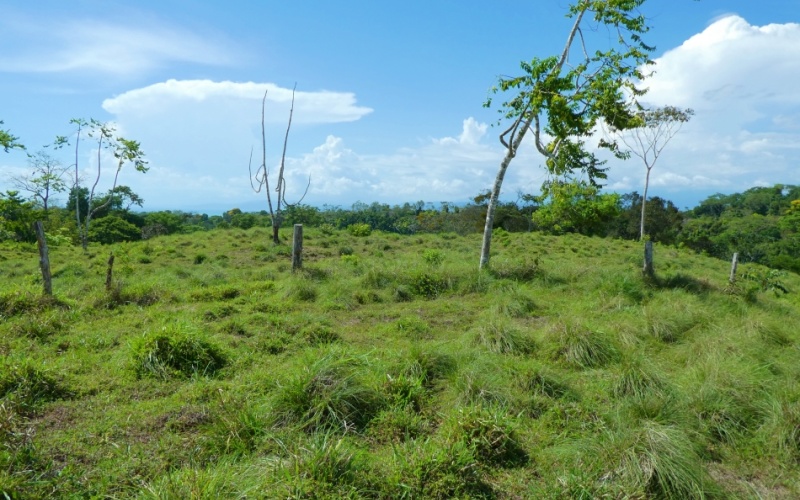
(390, 367)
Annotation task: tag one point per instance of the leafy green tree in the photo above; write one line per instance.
(45, 179)
(124, 151)
(561, 103)
(113, 229)
(651, 132)
(16, 217)
(8, 141)
(665, 219)
(575, 207)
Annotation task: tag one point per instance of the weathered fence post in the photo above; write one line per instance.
(648, 258)
(110, 271)
(734, 263)
(297, 248)
(44, 258)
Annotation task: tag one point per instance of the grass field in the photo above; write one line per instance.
(391, 368)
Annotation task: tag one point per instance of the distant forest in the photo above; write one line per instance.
(762, 224)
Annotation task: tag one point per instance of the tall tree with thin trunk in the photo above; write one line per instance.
(123, 150)
(260, 179)
(652, 131)
(560, 99)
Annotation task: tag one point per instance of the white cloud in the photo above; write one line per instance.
(122, 48)
(218, 99)
(741, 81)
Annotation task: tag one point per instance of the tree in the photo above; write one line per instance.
(561, 102)
(46, 178)
(261, 176)
(651, 132)
(8, 141)
(575, 207)
(123, 150)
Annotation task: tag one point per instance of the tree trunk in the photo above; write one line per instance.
(734, 263)
(511, 152)
(297, 248)
(110, 271)
(487, 229)
(44, 258)
(648, 258)
(644, 202)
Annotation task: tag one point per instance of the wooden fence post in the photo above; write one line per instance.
(297, 248)
(734, 263)
(44, 258)
(648, 258)
(110, 270)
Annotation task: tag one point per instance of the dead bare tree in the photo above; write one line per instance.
(260, 180)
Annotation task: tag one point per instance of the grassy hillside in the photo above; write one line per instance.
(391, 368)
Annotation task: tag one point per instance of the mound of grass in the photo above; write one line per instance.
(327, 394)
(26, 388)
(175, 351)
(490, 434)
(502, 338)
(581, 347)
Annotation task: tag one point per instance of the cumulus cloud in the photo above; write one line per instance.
(741, 81)
(122, 48)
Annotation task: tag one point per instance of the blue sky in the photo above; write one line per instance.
(389, 104)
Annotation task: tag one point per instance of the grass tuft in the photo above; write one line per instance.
(175, 351)
(584, 348)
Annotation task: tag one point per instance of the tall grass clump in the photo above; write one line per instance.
(328, 393)
(431, 469)
(327, 466)
(581, 347)
(26, 388)
(489, 433)
(175, 351)
(500, 337)
(659, 461)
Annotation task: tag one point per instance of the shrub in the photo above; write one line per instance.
(359, 229)
(433, 257)
(175, 352)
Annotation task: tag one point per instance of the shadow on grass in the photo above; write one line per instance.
(678, 282)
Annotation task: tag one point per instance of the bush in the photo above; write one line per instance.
(112, 229)
(175, 352)
(359, 229)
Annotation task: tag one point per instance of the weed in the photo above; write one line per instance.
(175, 351)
